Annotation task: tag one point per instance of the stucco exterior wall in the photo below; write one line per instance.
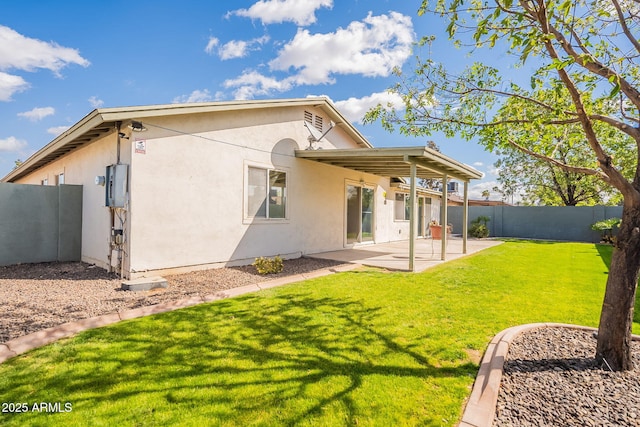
(188, 192)
(80, 168)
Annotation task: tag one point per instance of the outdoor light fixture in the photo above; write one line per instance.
(137, 126)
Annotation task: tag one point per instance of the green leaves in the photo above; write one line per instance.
(615, 81)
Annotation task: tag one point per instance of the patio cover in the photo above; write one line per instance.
(410, 162)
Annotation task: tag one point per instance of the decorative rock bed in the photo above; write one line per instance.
(551, 378)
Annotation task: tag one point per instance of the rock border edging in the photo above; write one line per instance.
(480, 409)
(20, 345)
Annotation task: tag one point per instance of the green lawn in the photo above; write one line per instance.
(359, 348)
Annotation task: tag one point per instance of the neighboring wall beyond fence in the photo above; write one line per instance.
(40, 223)
(572, 223)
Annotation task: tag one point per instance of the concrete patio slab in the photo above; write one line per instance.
(395, 255)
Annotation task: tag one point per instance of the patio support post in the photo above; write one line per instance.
(465, 216)
(443, 208)
(413, 224)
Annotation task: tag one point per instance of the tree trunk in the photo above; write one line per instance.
(616, 318)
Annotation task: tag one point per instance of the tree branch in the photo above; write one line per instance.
(624, 26)
(633, 132)
(613, 176)
(587, 61)
(564, 166)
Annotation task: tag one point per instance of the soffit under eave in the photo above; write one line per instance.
(66, 143)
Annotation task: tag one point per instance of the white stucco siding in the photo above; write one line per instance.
(80, 167)
(188, 191)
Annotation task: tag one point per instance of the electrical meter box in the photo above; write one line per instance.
(116, 185)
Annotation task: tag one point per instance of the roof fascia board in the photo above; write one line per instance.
(87, 123)
(137, 113)
(420, 155)
(357, 152)
(451, 173)
(104, 115)
(451, 163)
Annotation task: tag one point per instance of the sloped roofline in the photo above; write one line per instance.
(101, 122)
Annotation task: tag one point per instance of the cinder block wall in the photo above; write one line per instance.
(40, 223)
(570, 223)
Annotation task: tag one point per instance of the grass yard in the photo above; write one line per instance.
(360, 348)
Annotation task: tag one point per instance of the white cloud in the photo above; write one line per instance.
(12, 144)
(55, 131)
(18, 52)
(475, 191)
(478, 164)
(10, 84)
(240, 48)
(252, 83)
(492, 170)
(24, 53)
(95, 102)
(195, 96)
(354, 109)
(213, 42)
(372, 47)
(233, 49)
(300, 12)
(38, 113)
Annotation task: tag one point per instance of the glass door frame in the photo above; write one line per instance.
(354, 221)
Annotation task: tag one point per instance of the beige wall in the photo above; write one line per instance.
(81, 167)
(187, 195)
(187, 192)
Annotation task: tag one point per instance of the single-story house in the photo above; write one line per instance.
(173, 188)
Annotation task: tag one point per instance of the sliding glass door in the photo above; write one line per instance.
(360, 216)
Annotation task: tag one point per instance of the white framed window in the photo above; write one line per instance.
(266, 193)
(60, 179)
(401, 207)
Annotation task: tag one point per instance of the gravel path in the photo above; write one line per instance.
(551, 379)
(39, 296)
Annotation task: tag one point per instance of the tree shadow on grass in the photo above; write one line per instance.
(606, 252)
(281, 360)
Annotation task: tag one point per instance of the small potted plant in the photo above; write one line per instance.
(436, 229)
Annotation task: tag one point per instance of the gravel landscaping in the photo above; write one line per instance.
(39, 296)
(551, 379)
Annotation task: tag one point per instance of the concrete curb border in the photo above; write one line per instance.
(20, 345)
(481, 407)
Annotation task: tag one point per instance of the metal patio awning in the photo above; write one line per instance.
(394, 162)
(409, 162)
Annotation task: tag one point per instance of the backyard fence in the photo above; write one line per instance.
(40, 223)
(571, 223)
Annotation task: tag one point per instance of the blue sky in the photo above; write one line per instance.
(60, 60)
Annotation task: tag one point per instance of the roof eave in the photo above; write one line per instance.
(88, 123)
(103, 116)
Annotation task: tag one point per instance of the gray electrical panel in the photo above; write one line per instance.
(116, 185)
